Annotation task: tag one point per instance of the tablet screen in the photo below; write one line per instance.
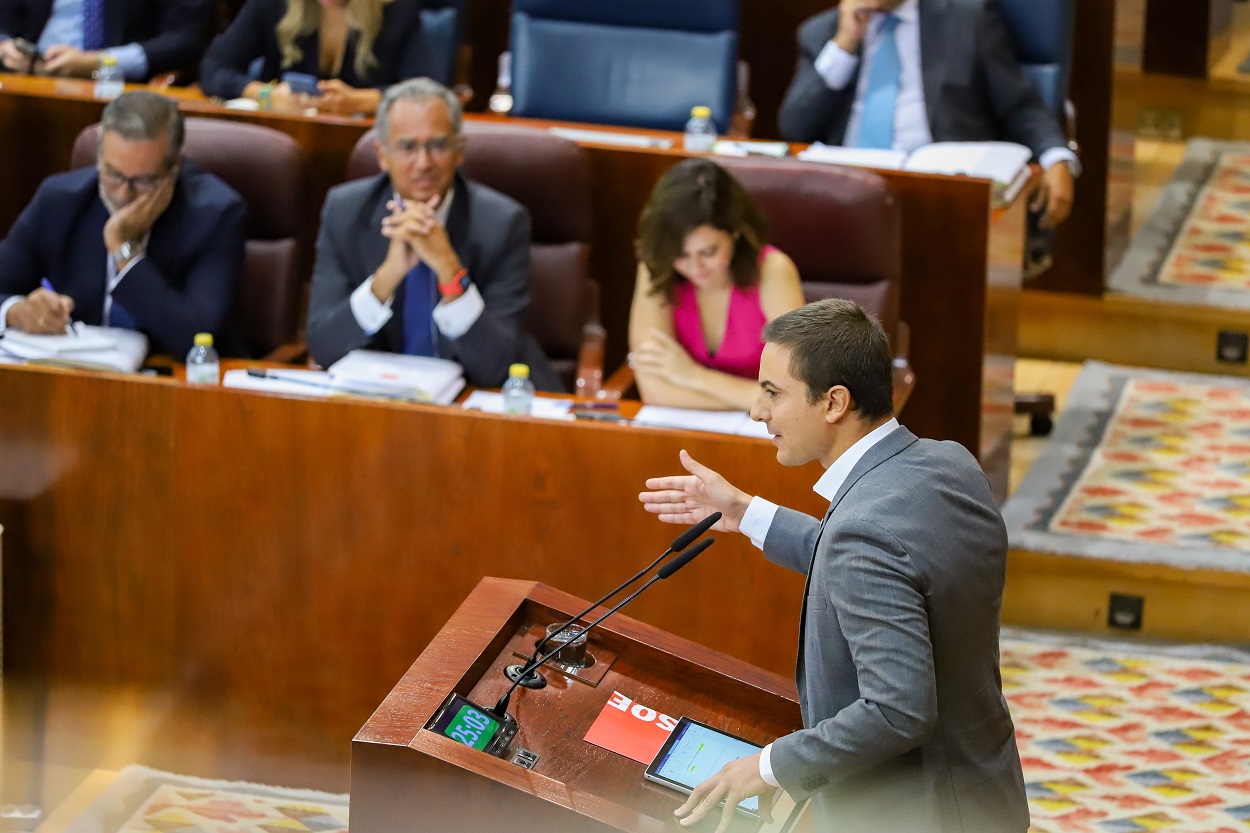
(696, 752)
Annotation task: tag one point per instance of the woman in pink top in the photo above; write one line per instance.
(707, 285)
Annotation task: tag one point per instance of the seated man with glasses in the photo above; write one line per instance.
(421, 260)
(143, 241)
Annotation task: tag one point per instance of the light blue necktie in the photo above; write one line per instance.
(92, 25)
(419, 291)
(876, 127)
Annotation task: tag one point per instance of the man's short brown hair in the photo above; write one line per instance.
(835, 342)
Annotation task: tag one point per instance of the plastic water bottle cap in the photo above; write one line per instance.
(108, 61)
(203, 339)
(519, 371)
(701, 112)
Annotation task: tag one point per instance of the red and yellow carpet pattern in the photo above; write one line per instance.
(1117, 742)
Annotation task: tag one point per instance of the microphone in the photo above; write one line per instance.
(518, 673)
(679, 543)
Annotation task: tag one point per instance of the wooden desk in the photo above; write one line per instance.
(285, 559)
(961, 259)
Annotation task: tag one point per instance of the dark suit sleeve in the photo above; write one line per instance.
(502, 276)
(404, 59)
(203, 304)
(878, 603)
(181, 35)
(333, 331)
(21, 259)
(1019, 110)
(810, 109)
(224, 71)
(13, 14)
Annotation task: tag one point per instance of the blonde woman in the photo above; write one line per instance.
(336, 55)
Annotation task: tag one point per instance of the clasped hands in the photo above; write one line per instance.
(416, 235)
(60, 59)
(662, 355)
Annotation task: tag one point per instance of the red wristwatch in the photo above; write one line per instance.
(455, 287)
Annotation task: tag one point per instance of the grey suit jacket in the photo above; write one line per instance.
(490, 233)
(974, 89)
(905, 725)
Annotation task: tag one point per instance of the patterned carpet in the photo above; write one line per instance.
(1195, 247)
(1119, 742)
(143, 800)
(1144, 466)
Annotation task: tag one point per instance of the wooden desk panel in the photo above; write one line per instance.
(955, 248)
(292, 557)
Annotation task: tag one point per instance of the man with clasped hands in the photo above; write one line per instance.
(905, 728)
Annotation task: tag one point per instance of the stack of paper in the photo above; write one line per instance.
(416, 378)
(543, 407)
(85, 347)
(1006, 164)
(721, 422)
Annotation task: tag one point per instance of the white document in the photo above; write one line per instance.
(419, 378)
(93, 348)
(892, 160)
(730, 147)
(607, 137)
(720, 422)
(492, 403)
(295, 382)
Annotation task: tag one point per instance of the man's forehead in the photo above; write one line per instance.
(411, 117)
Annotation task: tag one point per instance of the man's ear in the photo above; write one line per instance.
(837, 404)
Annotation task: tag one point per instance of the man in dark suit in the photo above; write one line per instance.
(903, 73)
(142, 241)
(905, 727)
(146, 37)
(421, 260)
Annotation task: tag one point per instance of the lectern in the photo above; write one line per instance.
(407, 778)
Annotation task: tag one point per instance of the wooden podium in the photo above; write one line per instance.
(406, 778)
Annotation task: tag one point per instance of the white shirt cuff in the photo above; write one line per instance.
(757, 520)
(4, 310)
(766, 766)
(370, 313)
(836, 66)
(455, 317)
(131, 59)
(1054, 156)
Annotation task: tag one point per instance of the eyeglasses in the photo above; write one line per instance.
(438, 148)
(139, 184)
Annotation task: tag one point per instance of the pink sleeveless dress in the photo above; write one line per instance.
(740, 349)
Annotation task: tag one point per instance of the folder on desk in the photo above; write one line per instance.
(419, 378)
(89, 348)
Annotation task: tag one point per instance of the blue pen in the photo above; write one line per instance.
(47, 284)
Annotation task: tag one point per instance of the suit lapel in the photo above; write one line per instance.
(893, 443)
(934, 18)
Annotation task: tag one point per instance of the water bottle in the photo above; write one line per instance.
(109, 82)
(518, 391)
(501, 100)
(203, 366)
(700, 131)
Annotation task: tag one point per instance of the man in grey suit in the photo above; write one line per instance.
(943, 69)
(905, 729)
(421, 260)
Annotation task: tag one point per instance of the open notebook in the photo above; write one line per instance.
(87, 348)
(1006, 164)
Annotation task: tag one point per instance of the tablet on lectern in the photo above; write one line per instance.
(695, 752)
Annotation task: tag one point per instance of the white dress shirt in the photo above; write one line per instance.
(911, 120)
(454, 318)
(760, 513)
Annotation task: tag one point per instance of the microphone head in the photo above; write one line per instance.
(686, 538)
(685, 558)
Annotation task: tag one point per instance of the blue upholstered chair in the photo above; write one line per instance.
(637, 63)
(441, 26)
(1041, 36)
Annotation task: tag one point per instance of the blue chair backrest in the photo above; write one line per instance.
(636, 63)
(441, 22)
(1041, 36)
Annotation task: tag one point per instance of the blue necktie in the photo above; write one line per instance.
(120, 318)
(876, 128)
(92, 25)
(419, 312)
